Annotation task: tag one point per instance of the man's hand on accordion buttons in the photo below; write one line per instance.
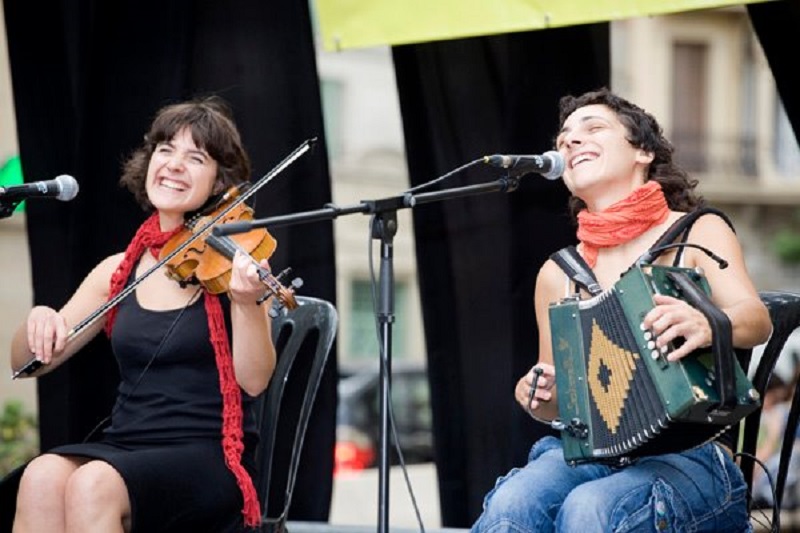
(673, 318)
(544, 376)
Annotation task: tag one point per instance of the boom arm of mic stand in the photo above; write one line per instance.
(331, 211)
(327, 213)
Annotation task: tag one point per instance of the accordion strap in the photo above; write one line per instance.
(721, 337)
(577, 269)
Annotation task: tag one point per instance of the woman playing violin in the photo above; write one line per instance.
(177, 454)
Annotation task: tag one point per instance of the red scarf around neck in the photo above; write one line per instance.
(644, 208)
(149, 236)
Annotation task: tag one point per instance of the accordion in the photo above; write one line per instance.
(618, 395)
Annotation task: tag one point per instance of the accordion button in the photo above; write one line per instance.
(654, 354)
(651, 345)
(648, 335)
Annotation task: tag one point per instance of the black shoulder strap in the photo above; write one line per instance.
(682, 225)
(686, 222)
(577, 269)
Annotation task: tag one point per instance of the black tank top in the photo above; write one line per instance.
(174, 395)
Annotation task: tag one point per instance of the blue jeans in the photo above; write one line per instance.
(698, 490)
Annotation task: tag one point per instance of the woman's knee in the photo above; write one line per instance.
(96, 487)
(513, 506)
(45, 478)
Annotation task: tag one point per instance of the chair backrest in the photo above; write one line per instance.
(784, 310)
(308, 329)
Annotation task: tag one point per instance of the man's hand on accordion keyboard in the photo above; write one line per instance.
(542, 376)
(672, 319)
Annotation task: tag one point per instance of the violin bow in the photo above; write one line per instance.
(34, 364)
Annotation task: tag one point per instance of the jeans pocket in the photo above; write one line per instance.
(714, 501)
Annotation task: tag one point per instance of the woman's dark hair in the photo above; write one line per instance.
(645, 133)
(210, 122)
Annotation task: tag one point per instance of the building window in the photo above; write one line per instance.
(748, 154)
(787, 153)
(363, 331)
(331, 95)
(689, 98)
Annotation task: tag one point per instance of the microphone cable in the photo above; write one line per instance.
(443, 177)
(651, 255)
(387, 382)
(122, 401)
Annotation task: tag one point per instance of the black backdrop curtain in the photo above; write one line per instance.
(478, 256)
(775, 25)
(88, 77)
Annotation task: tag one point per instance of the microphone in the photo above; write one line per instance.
(63, 187)
(549, 164)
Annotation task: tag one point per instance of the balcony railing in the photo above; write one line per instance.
(736, 157)
(741, 169)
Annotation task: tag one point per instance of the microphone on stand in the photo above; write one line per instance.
(62, 188)
(549, 164)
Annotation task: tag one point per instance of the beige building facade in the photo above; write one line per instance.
(704, 75)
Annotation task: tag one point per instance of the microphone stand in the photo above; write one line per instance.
(384, 228)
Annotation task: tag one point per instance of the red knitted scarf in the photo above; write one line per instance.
(625, 220)
(149, 236)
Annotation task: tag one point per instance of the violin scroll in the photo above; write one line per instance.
(285, 295)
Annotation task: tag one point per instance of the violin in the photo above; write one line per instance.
(212, 269)
(194, 254)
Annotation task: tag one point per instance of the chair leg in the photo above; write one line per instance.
(274, 525)
(9, 486)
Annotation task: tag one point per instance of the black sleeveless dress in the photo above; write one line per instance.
(165, 436)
